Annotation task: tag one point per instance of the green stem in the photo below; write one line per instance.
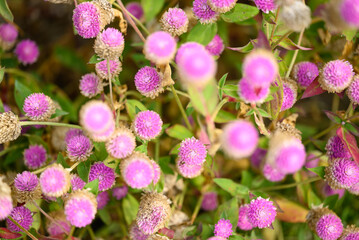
(30, 123)
(295, 54)
(275, 26)
(69, 237)
(320, 134)
(9, 149)
(196, 210)
(110, 83)
(22, 228)
(92, 234)
(181, 108)
(281, 39)
(179, 92)
(290, 185)
(219, 107)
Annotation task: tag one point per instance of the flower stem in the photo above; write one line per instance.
(110, 83)
(181, 108)
(22, 228)
(295, 53)
(290, 185)
(30, 123)
(281, 39)
(69, 236)
(320, 134)
(92, 234)
(196, 210)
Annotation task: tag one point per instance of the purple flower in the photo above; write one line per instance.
(328, 191)
(336, 149)
(188, 170)
(27, 51)
(102, 199)
(148, 82)
(188, 48)
(79, 148)
(136, 233)
(265, 5)
(105, 175)
(353, 90)
(336, 76)
(222, 6)
(5, 206)
(160, 47)
(38, 107)
(342, 173)
(72, 133)
(329, 227)
(76, 182)
(350, 233)
(203, 12)
(243, 221)
(210, 201)
(120, 192)
(174, 21)
(109, 44)
(349, 11)
(35, 156)
(261, 212)
(86, 18)
(102, 71)
(223, 228)
(53, 227)
(122, 143)
(354, 189)
(257, 157)
(157, 172)
(55, 181)
(289, 94)
(90, 85)
(272, 174)
(251, 93)
(22, 216)
(8, 36)
(135, 9)
(192, 151)
(147, 125)
(305, 73)
(216, 238)
(26, 181)
(215, 46)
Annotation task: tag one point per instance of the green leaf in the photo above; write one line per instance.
(58, 113)
(236, 237)
(36, 140)
(130, 208)
(318, 170)
(131, 105)
(240, 13)
(92, 186)
(179, 132)
(21, 92)
(5, 11)
(142, 148)
(221, 83)
(151, 8)
(202, 33)
(313, 199)
(61, 160)
(231, 90)
(263, 113)
(233, 188)
(211, 96)
(350, 34)
(229, 210)
(2, 72)
(224, 117)
(83, 169)
(95, 59)
(164, 163)
(70, 59)
(105, 216)
(331, 201)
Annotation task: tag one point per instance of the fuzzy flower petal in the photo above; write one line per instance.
(104, 174)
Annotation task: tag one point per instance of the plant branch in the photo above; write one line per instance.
(181, 108)
(56, 124)
(290, 185)
(110, 83)
(295, 53)
(22, 228)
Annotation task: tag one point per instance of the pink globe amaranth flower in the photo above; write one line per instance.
(160, 47)
(55, 181)
(336, 149)
(265, 5)
(22, 216)
(289, 94)
(192, 151)
(354, 189)
(328, 191)
(102, 71)
(272, 174)
(149, 82)
(216, 238)
(342, 173)
(350, 233)
(27, 51)
(336, 76)
(5, 206)
(215, 46)
(188, 170)
(239, 139)
(90, 85)
(38, 107)
(86, 19)
(174, 21)
(261, 212)
(79, 148)
(349, 11)
(251, 93)
(203, 12)
(109, 44)
(147, 125)
(35, 156)
(72, 133)
(119, 192)
(188, 48)
(353, 90)
(26, 181)
(102, 199)
(80, 208)
(137, 170)
(157, 172)
(223, 228)
(312, 161)
(329, 227)
(305, 73)
(76, 182)
(105, 136)
(8, 36)
(257, 157)
(135, 9)
(105, 175)
(210, 201)
(136, 234)
(243, 221)
(222, 6)
(122, 143)
(53, 227)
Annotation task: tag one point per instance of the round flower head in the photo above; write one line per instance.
(55, 181)
(354, 189)
(136, 234)
(188, 48)
(27, 187)
(10, 127)
(157, 172)
(39, 107)
(105, 175)
(137, 170)
(160, 48)
(105, 136)
(342, 173)
(192, 151)
(312, 161)
(336, 149)
(328, 191)
(216, 238)
(109, 44)
(27, 51)
(305, 73)
(8, 36)
(251, 93)
(272, 174)
(80, 208)
(349, 12)
(122, 143)
(147, 125)
(188, 170)
(135, 9)
(336, 76)
(257, 157)
(79, 148)
(76, 182)
(203, 12)
(265, 5)
(90, 85)
(260, 67)
(35, 156)
(174, 21)
(215, 46)
(243, 221)
(53, 227)
(353, 90)
(5, 199)
(350, 233)
(102, 71)
(149, 82)
(210, 201)
(261, 212)
(153, 213)
(120, 192)
(222, 6)
(239, 139)
(223, 228)
(295, 15)
(21, 215)
(72, 133)
(102, 199)
(289, 94)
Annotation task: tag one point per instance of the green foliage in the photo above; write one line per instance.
(131, 105)
(240, 13)
(5, 11)
(230, 186)
(21, 92)
(202, 33)
(130, 207)
(152, 8)
(92, 186)
(179, 132)
(83, 169)
(318, 170)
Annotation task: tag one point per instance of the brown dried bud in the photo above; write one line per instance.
(295, 14)
(10, 127)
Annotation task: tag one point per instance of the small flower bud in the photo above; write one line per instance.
(109, 44)
(295, 14)
(10, 127)
(174, 21)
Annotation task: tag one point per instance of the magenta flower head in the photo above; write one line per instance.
(72, 133)
(119, 192)
(109, 44)
(336, 149)
(188, 48)
(102, 71)
(80, 208)
(342, 173)
(149, 82)
(174, 21)
(21, 215)
(122, 143)
(55, 181)
(8, 36)
(135, 9)
(265, 5)
(147, 125)
(349, 12)
(76, 182)
(272, 174)
(79, 148)
(210, 201)
(251, 93)
(90, 85)
(243, 221)
(305, 73)
(203, 12)
(136, 234)
(261, 212)
(105, 175)
(222, 6)
(239, 139)
(328, 191)
(160, 47)
(5, 199)
(336, 76)
(35, 156)
(257, 157)
(156, 171)
(27, 187)
(215, 46)
(102, 199)
(216, 238)
(353, 90)
(153, 213)
(350, 233)
(39, 107)
(27, 51)
(137, 170)
(53, 227)
(223, 228)
(354, 189)
(188, 170)
(289, 94)
(192, 151)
